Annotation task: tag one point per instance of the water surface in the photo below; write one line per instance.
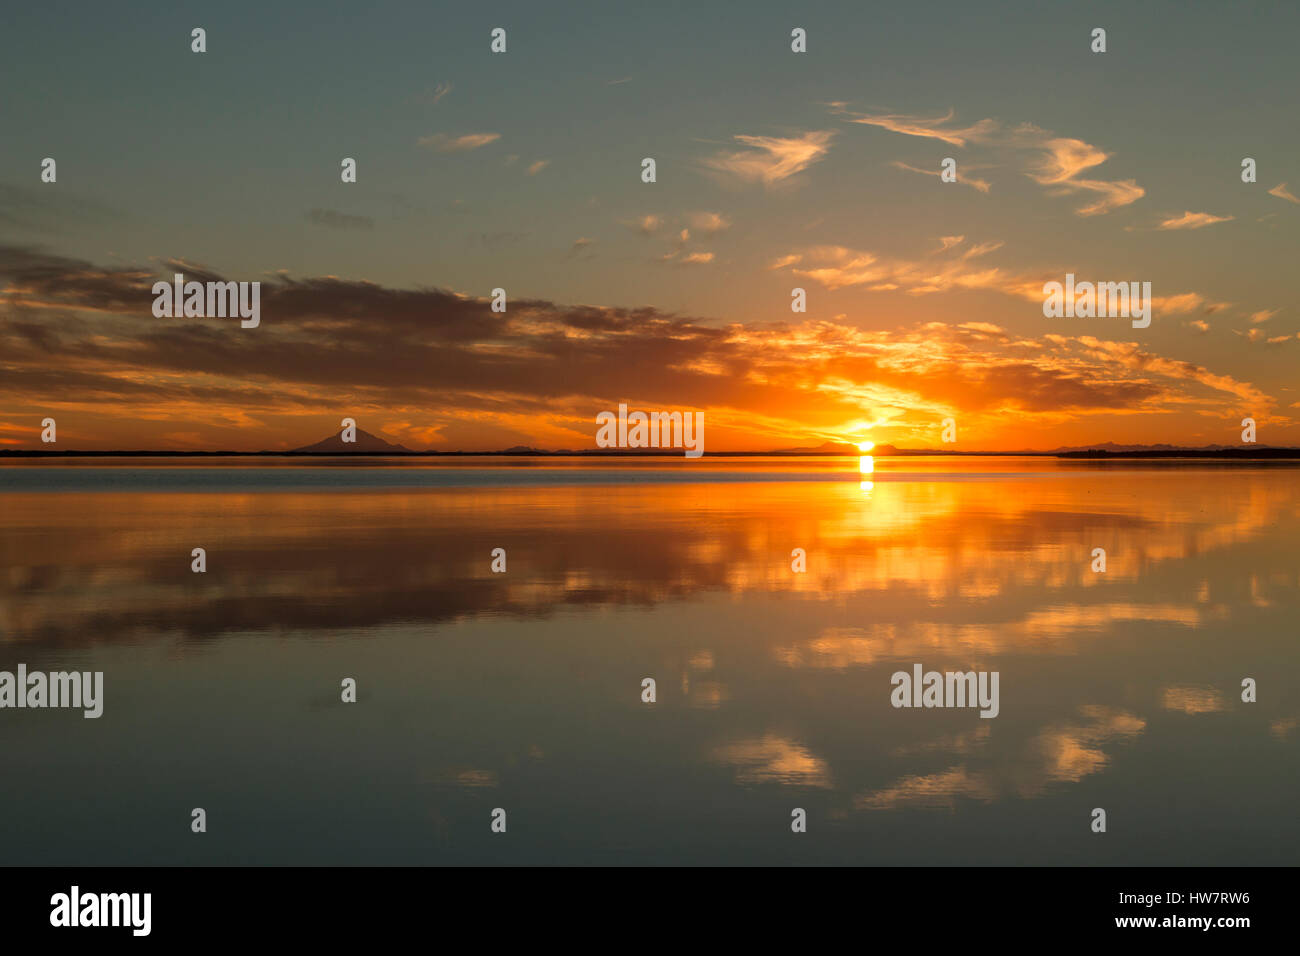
(522, 690)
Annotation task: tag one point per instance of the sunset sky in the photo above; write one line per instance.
(774, 170)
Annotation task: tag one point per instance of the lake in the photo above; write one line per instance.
(522, 689)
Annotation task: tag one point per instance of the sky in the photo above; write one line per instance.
(775, 170)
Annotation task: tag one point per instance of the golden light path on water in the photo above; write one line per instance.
(867, 466)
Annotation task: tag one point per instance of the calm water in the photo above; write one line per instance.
(522, 690)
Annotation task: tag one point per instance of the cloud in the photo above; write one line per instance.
(838, 267)
(1200, 325)
(1193, 220)
(982, 249)
(79, 336)
(647, 225)
(443, 143)
(1263, 315)
(946, 269)
(708, 223)
(1059, 165)
(1281, 192)
(980, 184)
(970, 252)
(1057, 162)
(339, 220)
(930, 128)
(1186, 302)
(1133, 356)
(538, 166)
(772, 159)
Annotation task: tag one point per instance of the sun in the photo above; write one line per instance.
(866, 445)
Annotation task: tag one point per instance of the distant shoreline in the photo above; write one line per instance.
(1243, 454)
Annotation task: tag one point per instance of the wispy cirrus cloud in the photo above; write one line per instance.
(445, 143)
(1193, 220)
(1187, 302)
(1133, 356)
(1281, 192)
(838, 267)
(981, 184)
(771, 159)
(927, 127)
(982, 249)
(1258, 336)
(1060, 164)
(949, 268)
(1057, 162)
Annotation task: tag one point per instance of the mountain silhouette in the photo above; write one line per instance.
(825, 448)
(366, 443)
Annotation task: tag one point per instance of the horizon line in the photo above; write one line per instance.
(1164, 451)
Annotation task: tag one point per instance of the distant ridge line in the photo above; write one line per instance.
(1267, 452)
(368, 445)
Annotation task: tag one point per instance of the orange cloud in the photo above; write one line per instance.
(443, 143)
(1064, 159)
(81, 340)
(980, 184)
(771, 159)
(1193, 220)
(929, 128)
(1281, 192)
